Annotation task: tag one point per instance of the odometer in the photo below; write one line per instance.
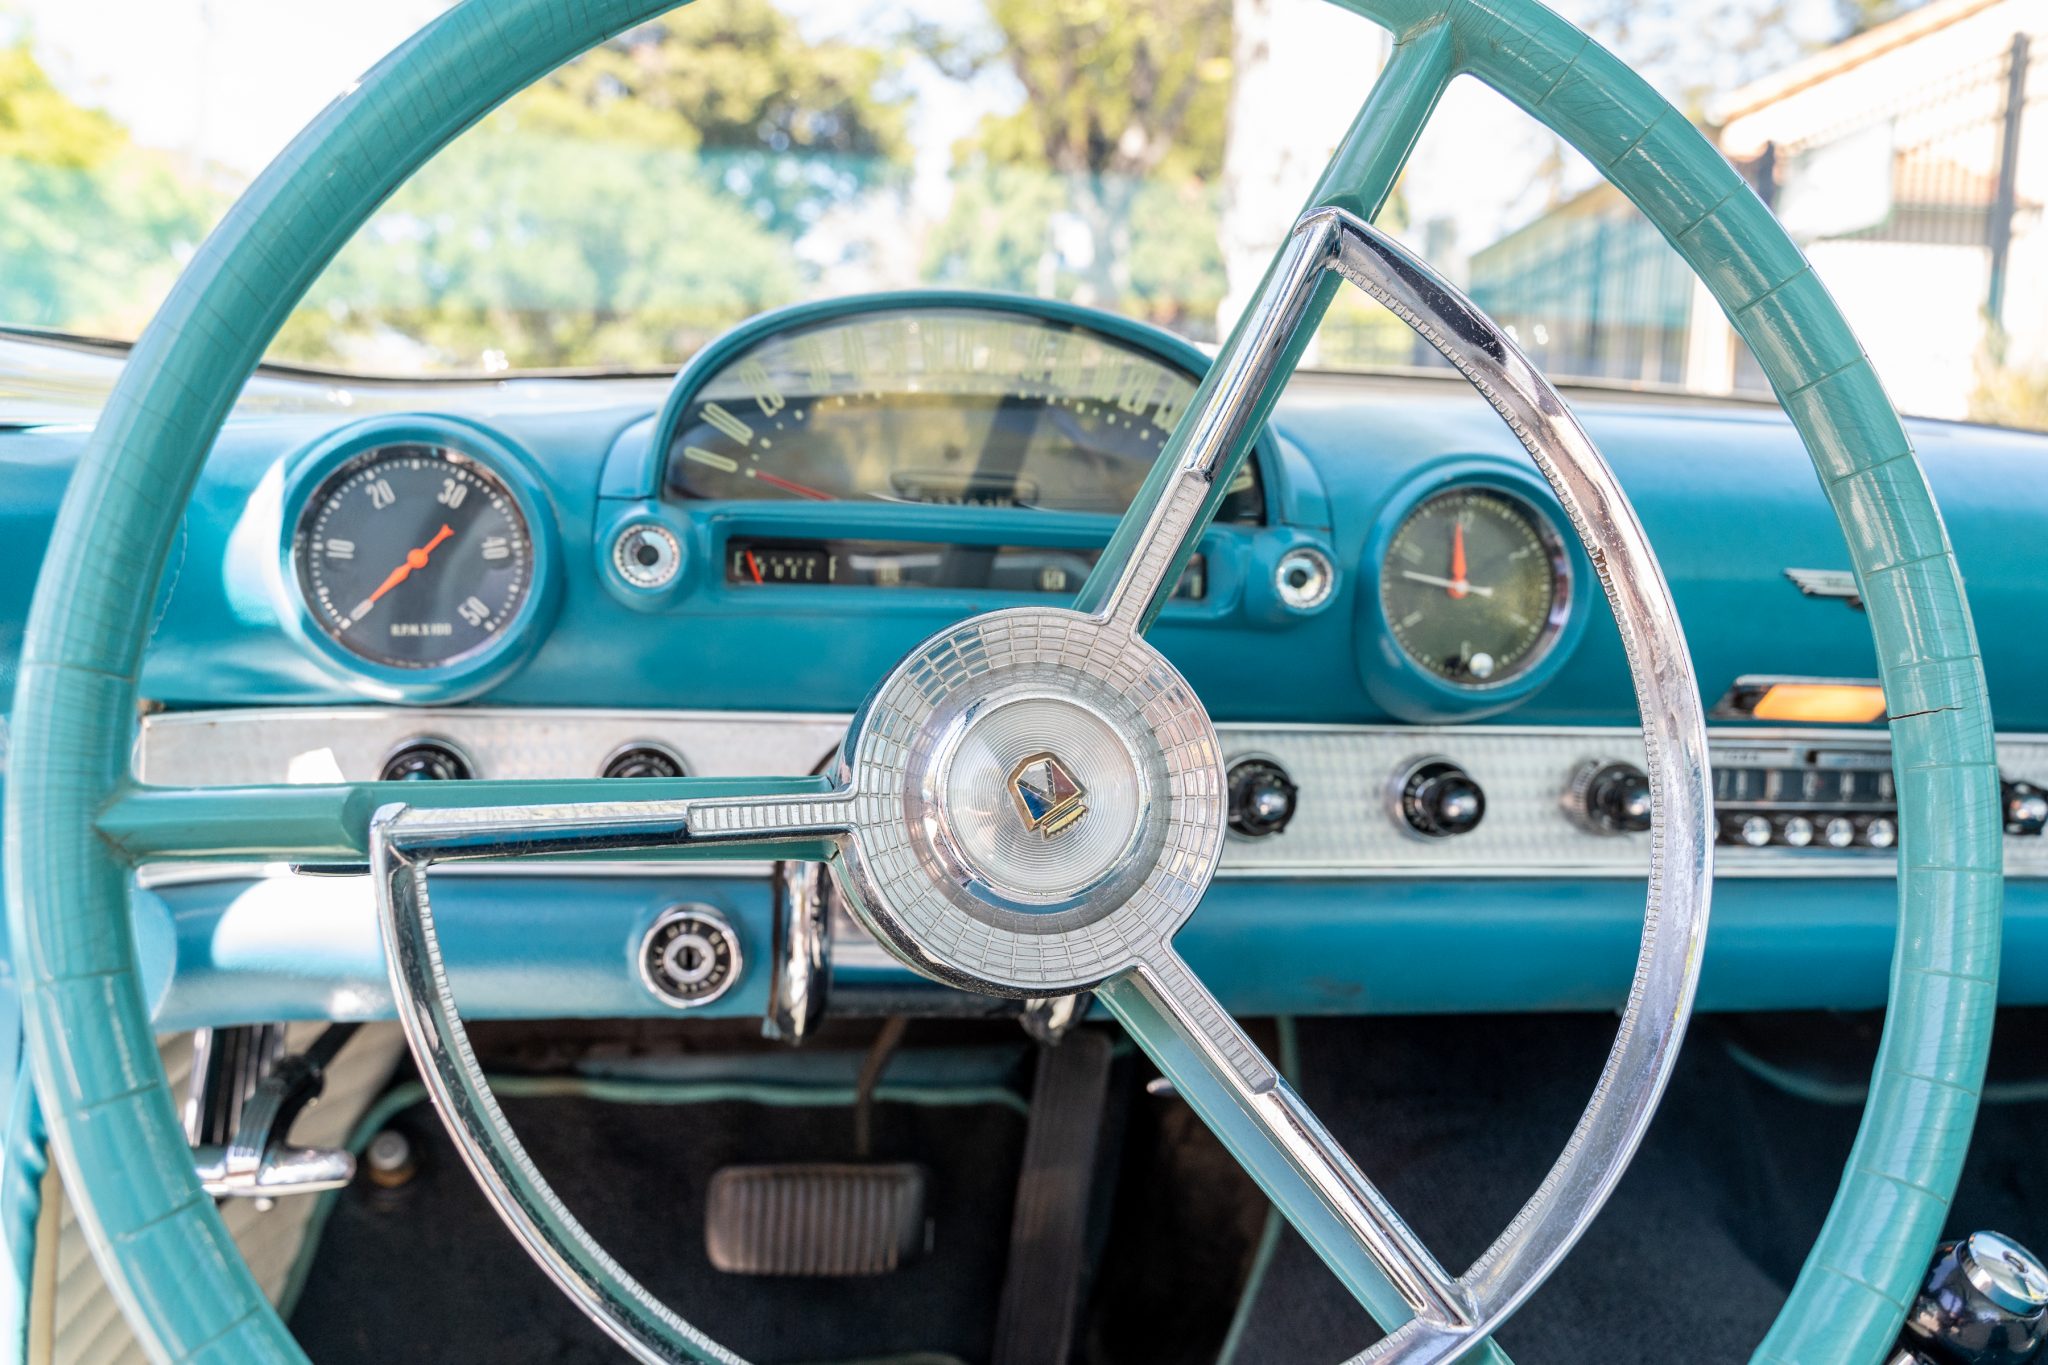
(1475, 585)
(413, 556)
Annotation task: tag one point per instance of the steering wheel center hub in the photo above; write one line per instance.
(1038, 794)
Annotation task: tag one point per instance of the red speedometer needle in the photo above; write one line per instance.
(1457, 587)
(752, 567)
(789, 486)
(414, 559)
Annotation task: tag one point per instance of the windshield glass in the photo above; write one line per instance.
(1142, 156)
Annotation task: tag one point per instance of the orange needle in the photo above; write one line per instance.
(1458, 586)
(414, 559)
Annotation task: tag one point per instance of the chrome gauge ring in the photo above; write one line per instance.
(1038, 797)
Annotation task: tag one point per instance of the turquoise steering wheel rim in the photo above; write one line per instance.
(113, 1127)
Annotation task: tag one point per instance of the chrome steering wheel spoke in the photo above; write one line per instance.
(1208, 1056)
(798, 819)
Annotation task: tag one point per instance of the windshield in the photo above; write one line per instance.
(1142, 156)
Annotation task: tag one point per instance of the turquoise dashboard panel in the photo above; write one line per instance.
(241, 951)
(1725, 492)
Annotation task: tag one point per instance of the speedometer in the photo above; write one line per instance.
(1475, 585)
(937, 404)
(413, 556)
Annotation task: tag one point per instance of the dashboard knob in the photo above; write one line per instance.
(1607, 797)
(1262, 798)
(2026, 807)
(426, 760)
(1437, 799)
(644, 758)
(1984, 1302)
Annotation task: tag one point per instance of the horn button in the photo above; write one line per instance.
(1039, 795)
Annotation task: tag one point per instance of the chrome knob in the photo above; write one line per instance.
(1985, 1302)
(1437, 799)
(1262, 798)
(1607, 797)
(2026, 807)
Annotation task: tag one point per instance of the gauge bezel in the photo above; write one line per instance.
(1395, 678)
(465, 676)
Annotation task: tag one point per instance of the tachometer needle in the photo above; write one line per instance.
(414, 559)
(1456, 588)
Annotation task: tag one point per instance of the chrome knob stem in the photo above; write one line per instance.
(1985, 1302)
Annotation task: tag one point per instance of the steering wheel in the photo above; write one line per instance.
(1032, 802)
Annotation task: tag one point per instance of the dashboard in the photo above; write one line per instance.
(1437, 798)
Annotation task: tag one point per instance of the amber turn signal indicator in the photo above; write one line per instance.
(1804, 701)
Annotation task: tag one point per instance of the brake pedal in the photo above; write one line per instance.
(815, 1219)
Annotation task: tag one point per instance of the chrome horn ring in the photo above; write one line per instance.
(1029, 724)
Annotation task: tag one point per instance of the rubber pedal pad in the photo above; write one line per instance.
(815, 1219)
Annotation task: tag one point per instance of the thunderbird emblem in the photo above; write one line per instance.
(1047, 795)
(1835, 583)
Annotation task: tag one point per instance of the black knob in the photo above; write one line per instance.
(426, 760)
(644, 760)
(1985, 1302)
(1439, 799)
(2026, 807)
(1610, 798)
(1262, 798)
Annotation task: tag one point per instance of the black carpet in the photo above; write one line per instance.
(1458, 1119)
(426, 1272)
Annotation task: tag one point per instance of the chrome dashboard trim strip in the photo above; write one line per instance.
(1341, 832)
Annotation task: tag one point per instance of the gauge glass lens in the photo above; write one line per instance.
(1475, 586)
(413, 556)
(941, 406)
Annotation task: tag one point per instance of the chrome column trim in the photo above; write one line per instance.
(803, 972)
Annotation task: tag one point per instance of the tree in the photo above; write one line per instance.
(1101, 183)
(624, 209)
(794, 126)
(95, 228)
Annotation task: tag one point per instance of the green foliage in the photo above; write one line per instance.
(797, 126)
(94, 229)
(2011, 396)
(1100, 185)
(623, 210)
(539, 251)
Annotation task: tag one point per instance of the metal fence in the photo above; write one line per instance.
(1592, 291)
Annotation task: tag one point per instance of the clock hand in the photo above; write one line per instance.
(1457, 589)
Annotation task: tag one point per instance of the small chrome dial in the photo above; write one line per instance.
(413, 556)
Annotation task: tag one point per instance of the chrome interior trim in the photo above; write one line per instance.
(1339, 832)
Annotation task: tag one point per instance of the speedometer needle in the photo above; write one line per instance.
(1456, 587)
(414, 559)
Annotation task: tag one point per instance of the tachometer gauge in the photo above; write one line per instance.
(1475, 585)
(413, 556)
